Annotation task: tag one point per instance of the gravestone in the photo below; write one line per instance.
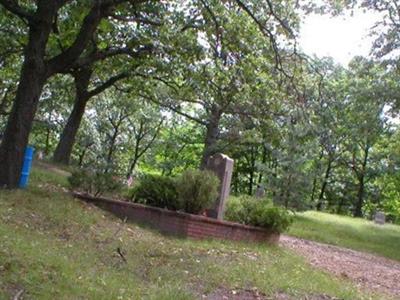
(222, 166)
(40, 155)
(380, 218)
(260, 192)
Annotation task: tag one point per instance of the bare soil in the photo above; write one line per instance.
(252, 294)
(375, 273)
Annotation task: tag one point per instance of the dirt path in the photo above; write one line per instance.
(366, 270)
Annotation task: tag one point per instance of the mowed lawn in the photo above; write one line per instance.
(56, 247)
(353, 233)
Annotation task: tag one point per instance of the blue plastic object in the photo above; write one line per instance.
(26, 167)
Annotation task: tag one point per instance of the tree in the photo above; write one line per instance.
(367, 95)
(329, 125)
(81, 76)
(144, 127)
(47, 25)
(226, 76)
(123, 61)
(37, 68)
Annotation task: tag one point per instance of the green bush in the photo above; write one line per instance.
(275, 218)
(95, 183)
(192, 192)
(239, 209)
(257, 212)
(158, 191)
(197, 190)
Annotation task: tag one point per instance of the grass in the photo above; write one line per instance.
(353, 233)
(56, 247)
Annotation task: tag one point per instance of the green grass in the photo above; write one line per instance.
(56, 247)
(353, 233)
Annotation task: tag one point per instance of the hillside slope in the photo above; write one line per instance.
(354, 233)
(56, 247)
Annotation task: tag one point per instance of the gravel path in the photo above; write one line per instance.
(366, 270)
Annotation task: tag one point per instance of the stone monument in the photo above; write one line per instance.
(222, 166)
(380, 218)
(260, 192)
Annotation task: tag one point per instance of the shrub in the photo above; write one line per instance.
(95, 183)
(158, 191)
(197, 190)
(239, 209)
(192, 192)
(275, 218)
(258, 212)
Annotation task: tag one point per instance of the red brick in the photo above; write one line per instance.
(183, 224)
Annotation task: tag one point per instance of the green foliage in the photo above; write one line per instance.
(392, 209)
(192, 192)
(158, 191)
(390, 186)
(277, 218)
(96, 183)
(258, 212)
(238, 209)
(197, 190)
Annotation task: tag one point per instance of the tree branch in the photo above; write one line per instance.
(13, 7)
(112, 80)
(174, 109)
(141, 20)
(102, 55)
(143, 151)
(268, 33)
(90, 23)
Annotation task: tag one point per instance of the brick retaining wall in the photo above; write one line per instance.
(182, 224)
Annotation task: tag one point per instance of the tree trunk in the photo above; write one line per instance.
(274, 166)
(111, 148)
(82, 156)
(263, 161)
(287, 193)
(47, 143)
(211, 136)
(132, 166)
(136, 155)
(360, 196)
(361, 184)
(251, 183)
(314, 185)
(340, 205)
(252, 170)
(64, 148)
(31, 82)
(324, 184)
(235, 182)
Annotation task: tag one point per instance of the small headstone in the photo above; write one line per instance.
(260, 192)
(40, 155)
(380, 218)
(222, 166)
(129, 181)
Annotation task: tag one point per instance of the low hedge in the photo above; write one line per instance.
(257, 212)
(192, 192)
(94, 182)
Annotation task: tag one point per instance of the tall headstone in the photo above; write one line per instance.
(380, 218)
(260, 192)
(222, 166)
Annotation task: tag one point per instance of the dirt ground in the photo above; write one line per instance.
(225, 294)
(366, 270)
